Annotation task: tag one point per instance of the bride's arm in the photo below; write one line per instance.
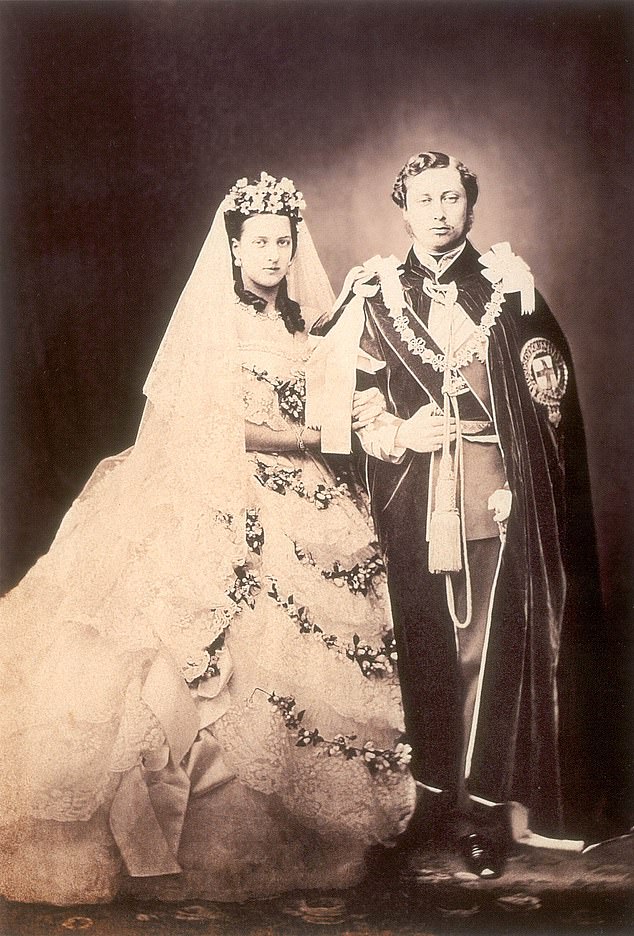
(263, 439)
(368, 404)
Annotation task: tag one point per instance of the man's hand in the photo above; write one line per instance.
(366, 406)
(425, 430)
(500, 503)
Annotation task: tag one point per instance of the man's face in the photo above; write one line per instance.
(436, 209)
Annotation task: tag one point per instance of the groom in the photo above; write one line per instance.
(480, 496)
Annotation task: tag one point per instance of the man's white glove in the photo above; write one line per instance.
(500, 503)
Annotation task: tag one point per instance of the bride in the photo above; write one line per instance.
(199, 697)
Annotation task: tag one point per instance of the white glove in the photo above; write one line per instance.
(500, 503)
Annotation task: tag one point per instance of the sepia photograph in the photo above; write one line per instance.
(316, 534)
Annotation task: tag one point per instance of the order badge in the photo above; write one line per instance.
(546, 375)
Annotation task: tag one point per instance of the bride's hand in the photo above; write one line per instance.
(366, 406)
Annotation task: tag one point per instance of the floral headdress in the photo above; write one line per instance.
(266, 195)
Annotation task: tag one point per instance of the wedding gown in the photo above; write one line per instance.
(199, 697)
(321, 810)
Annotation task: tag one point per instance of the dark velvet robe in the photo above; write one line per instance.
(540, 695)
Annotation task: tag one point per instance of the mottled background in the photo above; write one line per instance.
(124, 123)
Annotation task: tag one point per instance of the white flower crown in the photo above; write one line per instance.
(267, 195)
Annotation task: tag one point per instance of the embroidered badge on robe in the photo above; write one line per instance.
(546, 375)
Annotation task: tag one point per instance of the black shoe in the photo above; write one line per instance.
(481, 855)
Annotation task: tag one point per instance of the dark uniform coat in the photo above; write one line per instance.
(538, 702)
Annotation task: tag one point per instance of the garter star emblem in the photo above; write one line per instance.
(546, 375)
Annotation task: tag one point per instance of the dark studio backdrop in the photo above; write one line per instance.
(123, 124)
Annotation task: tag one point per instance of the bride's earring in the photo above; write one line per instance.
(236, 261)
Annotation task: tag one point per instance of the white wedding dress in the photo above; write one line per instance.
(198, 695)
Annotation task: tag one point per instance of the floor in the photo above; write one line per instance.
(424, 894)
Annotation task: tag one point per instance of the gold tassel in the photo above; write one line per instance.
(445, 554)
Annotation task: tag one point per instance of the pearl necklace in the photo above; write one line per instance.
(273, 315)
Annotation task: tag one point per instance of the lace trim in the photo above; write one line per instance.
(377, 760)
(359, 578)
(262, 408)
(291, 393)
(140, 732)
(69, 804)
(371, 661)
(202, 663)
(335, 796)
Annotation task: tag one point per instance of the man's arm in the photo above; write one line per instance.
(388, 437)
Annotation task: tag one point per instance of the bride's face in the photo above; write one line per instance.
(264, 251)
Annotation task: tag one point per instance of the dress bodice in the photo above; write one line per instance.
(269, 355)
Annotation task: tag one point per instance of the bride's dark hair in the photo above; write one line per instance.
(289, 310)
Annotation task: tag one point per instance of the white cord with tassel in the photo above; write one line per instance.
(445, 548)
(451, 602)
(446, 528)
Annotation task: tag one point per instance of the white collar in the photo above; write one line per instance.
(438, 263)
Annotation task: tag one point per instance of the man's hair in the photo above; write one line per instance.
(423, 161)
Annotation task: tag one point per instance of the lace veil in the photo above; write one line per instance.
(151, 543)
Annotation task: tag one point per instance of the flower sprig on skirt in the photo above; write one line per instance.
(371, 661)
(377, 760)
(205, 663)
(359, 578)
(254, 533)
(280, 479)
